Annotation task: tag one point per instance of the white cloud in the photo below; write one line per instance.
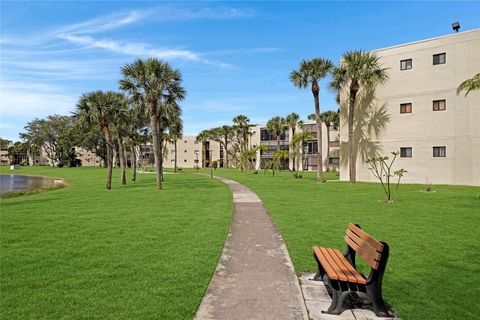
(29, 100)
(103, 23)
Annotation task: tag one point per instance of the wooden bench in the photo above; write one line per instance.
(339, 273)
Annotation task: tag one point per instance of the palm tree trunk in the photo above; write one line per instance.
(327, 162)
(316, 97)
(108, 141)
(225, 153)
(294, 156)
(133, 160)
(352, 170)
(156, 151)
(121, 157)
(175, 155)
(160, 146)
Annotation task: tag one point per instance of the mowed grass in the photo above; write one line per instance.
(133, 252)
(434, 266)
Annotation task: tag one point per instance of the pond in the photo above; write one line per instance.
(15, 182)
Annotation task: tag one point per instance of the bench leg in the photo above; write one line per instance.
(336, 307)
(374, 292)
(320, 271)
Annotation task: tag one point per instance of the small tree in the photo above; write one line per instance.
(382, 170)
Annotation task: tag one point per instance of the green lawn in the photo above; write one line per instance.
(433, 271)
(83, 252)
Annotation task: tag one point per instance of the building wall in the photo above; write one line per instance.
(189, 150)
(457, 128)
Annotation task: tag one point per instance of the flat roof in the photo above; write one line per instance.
(429, 39)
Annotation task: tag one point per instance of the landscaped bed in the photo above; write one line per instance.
(434, 241)
(133, 252)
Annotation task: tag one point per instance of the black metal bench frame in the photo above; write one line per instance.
(341, 289)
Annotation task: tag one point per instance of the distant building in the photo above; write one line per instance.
(308, 152)
(436, 131)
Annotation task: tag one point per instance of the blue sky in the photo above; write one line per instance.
(235, 57)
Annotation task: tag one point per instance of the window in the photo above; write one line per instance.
(406, 64)
(405, 108)
(185, 160)
(334, 160)
(312, 147)
(439, 58)
(195, 142)
(439, 105)
(173, 151)
(334, 144)
(186, 141)
(406, 152)
(439, 152)
(185, 151)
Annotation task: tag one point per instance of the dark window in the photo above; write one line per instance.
(406, 64)
(439, 105)
(440, 58)
(266, 136)
(406, 152)
(185, 160)
(405, 108)
(334, 144)
(311, 147)
(185, 151)
(439, 152)
(334, 160)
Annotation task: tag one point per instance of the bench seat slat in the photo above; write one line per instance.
(358, 276)
(336, 266)
(326, 263)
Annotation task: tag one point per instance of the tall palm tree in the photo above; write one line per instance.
(329, 118)
(358, 69)
(469, 85)
(99, 108)
(226, 132)
(242, 123)
(120, 125)
(156, 86)
(292, 122)
(203, 137)
(276, 126)
(309, 73)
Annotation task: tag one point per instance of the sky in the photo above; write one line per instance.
(235, 57)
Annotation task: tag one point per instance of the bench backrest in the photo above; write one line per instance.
(364, 245)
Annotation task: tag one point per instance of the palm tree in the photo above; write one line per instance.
(329, 118)
(242, 124)
(357, 69)
(99, 108)
(226, 134)
(309, 73)
(120, 123)
(137, 121)
(156, 86)
(203, 137)
(299, 139)
(276, 126)
(292, 122)
(469, 85)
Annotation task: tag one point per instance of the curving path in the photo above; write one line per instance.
(254, 278)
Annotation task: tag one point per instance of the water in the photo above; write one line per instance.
(14, 182)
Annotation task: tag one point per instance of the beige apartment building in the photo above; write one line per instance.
(307, 159)
(436, 131)
(192, 153)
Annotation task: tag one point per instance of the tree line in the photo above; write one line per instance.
(145, 108)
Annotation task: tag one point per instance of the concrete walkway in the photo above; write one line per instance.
(254, 278)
